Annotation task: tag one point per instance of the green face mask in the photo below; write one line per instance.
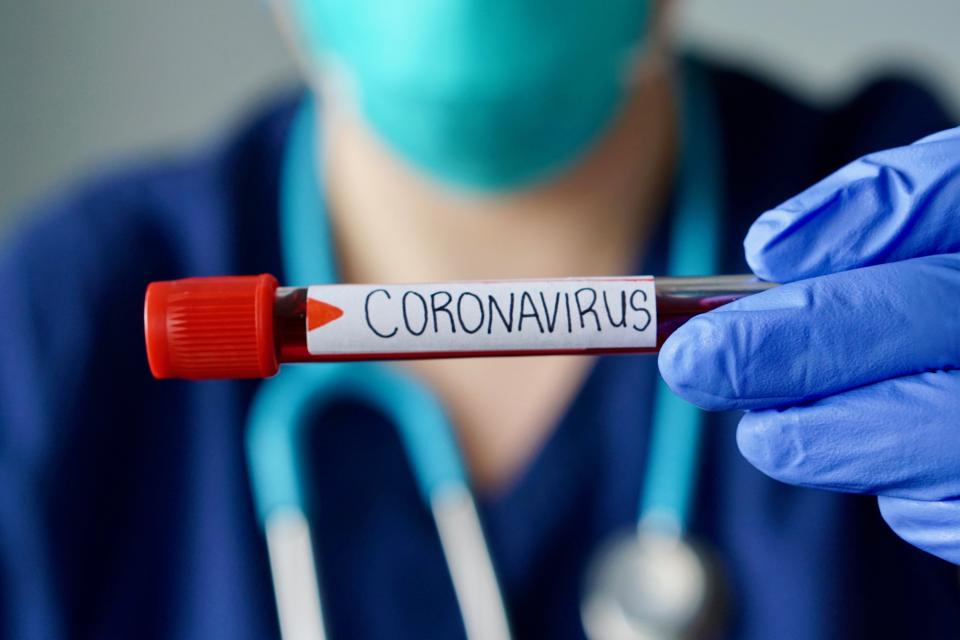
(485, 94)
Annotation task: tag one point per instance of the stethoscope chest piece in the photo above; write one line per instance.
(650, 585)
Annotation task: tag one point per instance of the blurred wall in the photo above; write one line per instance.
(825, 46)
(85, 81)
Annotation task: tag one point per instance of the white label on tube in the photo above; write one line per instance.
(567, 315)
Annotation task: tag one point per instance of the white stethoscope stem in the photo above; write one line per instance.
(294, 573)
(296, 588)
(471, 567)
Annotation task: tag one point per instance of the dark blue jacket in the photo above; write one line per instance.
(125, 504)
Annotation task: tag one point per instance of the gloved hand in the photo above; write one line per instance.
(851, 373)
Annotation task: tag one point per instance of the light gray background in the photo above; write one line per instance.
(88, 81)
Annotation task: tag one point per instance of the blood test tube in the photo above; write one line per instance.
(247, 326)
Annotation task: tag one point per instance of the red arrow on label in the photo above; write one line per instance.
(320, 313)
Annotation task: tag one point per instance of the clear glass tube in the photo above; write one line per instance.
(677, 300)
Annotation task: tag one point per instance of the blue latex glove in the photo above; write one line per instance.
(850, 373)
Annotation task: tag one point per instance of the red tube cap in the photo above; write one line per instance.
(211, 328)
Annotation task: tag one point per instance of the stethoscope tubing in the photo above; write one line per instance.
(284, 405)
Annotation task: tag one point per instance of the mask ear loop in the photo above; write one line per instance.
(322, 71)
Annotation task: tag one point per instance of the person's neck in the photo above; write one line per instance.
(392, 225)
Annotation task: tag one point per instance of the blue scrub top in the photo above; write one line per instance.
(125, 505)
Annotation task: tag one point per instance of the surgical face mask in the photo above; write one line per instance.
(484, 94)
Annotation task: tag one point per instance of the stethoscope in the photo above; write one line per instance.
(651, 582)
(648, 583)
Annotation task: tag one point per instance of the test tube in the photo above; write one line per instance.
(247, 326)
